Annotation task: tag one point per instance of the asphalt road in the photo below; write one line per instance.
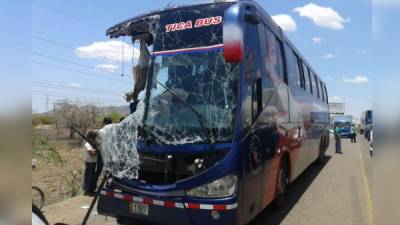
(336, 193)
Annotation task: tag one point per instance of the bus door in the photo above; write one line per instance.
(274, 118)
(252, 156)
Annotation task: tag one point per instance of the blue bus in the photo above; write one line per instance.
(233, 113)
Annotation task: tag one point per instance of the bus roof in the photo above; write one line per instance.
(123, 28)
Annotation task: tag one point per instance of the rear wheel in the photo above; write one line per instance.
(282, 184)
(321, 157)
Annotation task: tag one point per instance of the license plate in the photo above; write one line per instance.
(139, 208)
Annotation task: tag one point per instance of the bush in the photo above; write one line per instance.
(43, 149)
(115, 116)
(40, 119)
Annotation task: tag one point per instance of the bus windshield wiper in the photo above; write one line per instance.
(199, 117)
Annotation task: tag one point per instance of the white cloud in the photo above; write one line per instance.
(322, 16)
(74, 85)
(108, 50)
(107, 67)
(359, 79)
(317, 39)
(285, 21)
(329, 56)
(335, 99)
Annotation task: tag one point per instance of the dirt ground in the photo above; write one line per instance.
(59, 181)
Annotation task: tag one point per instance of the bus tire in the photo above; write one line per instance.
(283, 181)
(322, 156)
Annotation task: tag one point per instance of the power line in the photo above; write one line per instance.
(70, 62)
(52, 42)
(63, 95)
(62, 83)
(78, 71)
(66, 87)
(78, 94)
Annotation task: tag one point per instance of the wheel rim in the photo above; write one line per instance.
(283, 181)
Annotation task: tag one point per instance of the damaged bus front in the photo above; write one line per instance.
(214, 140)
(187, 166)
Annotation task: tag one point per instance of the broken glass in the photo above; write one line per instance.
(206, 83)
(118, 145)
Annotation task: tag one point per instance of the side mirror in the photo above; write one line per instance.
(233, 34)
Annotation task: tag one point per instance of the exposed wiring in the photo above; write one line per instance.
(123, 58)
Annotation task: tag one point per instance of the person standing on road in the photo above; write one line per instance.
(338, 139)
(99, 164)
(89, 182)
(353, 134)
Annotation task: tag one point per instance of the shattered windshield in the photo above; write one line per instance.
(202, 80)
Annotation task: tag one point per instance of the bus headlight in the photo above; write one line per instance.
(220, 188)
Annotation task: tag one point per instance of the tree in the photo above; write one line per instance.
(80, 117)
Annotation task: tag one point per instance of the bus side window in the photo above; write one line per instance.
(322, 91)
(326, 94)
(316, 85)
(306, 78)
(292, 68)
(313, 83)
(301, 72)
(252, 71)
(309, 80)
(273, 60)
(256, 99)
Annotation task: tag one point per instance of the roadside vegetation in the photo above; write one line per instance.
(57, 151)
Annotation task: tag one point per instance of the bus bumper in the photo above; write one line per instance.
(165, 211)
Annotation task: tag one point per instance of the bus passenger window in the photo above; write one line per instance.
(306, 78)
(314, 88)
(322, 91)
(301, 72)
(292, 68)
(273, 60)
(316, 85)
(326, 94)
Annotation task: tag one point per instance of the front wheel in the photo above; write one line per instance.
(282, 184)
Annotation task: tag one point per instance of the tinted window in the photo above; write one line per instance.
(326, 94)
(322, 91)
(252, 70)
(308, 80)
(316, 85)
(170, 36)
(306, 77)
(292, 68)
(273, 61)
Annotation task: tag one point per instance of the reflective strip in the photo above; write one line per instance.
(179, 205)
(137, 199)
(168, 204)
(158, 202)
(232, 206)
(116, 195)
(204, 206)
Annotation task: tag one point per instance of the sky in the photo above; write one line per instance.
(73, 59)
